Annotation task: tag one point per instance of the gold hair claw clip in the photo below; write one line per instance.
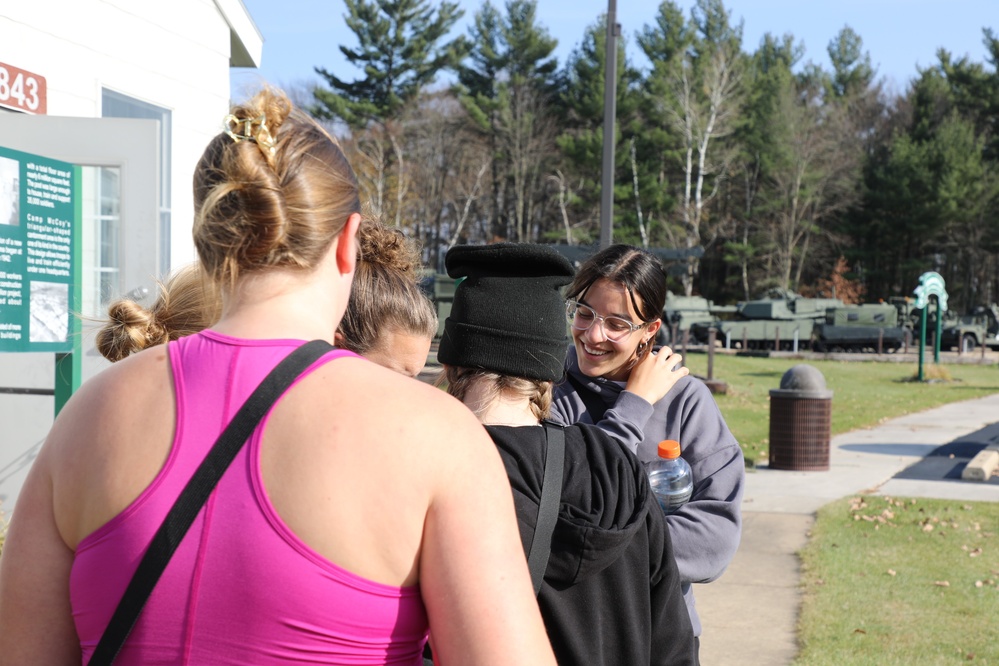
(253, 129)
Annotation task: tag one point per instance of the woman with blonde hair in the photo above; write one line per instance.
(187, 303)
(388, 320)
(365, 509)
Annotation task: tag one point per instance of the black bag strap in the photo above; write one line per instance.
(194, 495)
(595, 406)
(551, 493)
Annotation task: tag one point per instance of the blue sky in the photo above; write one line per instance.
(899, 35)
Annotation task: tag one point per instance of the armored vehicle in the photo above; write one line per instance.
(965, 333)
(682, 312)
(980, 326)
(781, 321)
(991, 314)
(872, 327)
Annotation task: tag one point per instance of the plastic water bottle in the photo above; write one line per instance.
(670, 476)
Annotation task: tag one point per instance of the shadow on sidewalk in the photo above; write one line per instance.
(947, 462)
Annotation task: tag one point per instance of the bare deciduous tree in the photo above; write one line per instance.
(813, 178)
(703, 109)
(526, 139)
(449, 162)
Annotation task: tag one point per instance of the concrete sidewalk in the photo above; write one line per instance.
(750, 613)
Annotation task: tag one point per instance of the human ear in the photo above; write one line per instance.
(652, 328)
(346, 245)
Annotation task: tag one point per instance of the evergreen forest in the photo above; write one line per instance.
(788, 175)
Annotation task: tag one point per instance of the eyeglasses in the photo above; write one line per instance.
(583, 317)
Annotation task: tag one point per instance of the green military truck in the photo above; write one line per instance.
(967, 332)
(964, 333)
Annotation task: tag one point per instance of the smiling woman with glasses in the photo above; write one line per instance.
(582, 317)
(616, 380)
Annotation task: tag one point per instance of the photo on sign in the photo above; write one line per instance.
(49, 312)
(10, 191)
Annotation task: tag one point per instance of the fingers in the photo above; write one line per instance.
(665, 356)
(655, 373)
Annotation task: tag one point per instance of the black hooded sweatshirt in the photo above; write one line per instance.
(611, 592)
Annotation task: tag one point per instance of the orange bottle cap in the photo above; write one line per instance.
(669, 448)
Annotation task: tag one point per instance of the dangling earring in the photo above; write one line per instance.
(642, 346)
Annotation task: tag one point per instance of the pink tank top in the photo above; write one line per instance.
(242, 588)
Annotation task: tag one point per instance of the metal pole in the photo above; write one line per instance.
(939, 334)
(610, 106)
(711, 352)
(922, 339)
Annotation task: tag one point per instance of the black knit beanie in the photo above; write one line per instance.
(508, 314)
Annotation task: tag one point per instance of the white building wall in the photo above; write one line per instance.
(174, 55)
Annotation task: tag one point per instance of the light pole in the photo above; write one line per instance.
(610, 106)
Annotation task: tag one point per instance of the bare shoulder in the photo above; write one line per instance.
(391, 391)
(129, 392)
(386, 404)
(123, 418)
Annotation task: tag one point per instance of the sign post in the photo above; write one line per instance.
(930, 284)
(40, 290)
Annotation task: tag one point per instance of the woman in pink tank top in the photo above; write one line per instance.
(365, 509)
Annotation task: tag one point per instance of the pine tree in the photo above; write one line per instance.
(506, 87)
(581, 110)
(852, 71)
(401, 49)
(768, 75)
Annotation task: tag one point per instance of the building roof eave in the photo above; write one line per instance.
(246, 42)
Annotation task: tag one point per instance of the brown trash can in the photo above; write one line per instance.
(800, 421)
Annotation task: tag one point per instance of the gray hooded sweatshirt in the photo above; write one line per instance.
(705, 531)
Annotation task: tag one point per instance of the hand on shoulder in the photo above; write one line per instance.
(655, 373)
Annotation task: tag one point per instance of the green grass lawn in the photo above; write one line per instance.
(864, 393)
(899, 582)
(890, 582)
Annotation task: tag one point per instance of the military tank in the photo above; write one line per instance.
(681, 313)
(781, 321)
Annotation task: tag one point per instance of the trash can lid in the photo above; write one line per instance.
(802, 381)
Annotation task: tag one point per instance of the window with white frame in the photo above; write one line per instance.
(102, 207)
(101, 188)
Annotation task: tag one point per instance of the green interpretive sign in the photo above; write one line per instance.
(39, 214)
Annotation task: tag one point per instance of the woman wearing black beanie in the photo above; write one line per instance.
(600, 555)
